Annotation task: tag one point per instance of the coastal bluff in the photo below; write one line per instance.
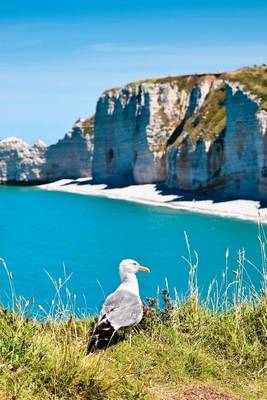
(70, 157)
(195, 132)
(203, 133)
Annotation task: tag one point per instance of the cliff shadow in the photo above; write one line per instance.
(263, 204)
(201, 195)
(108, 184)
(178, 195)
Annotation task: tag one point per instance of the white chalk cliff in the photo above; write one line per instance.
(20, 162)
(133, 125)
(198, 132)
(71, 157)
(231, 163)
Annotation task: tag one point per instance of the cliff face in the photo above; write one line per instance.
(20, 162)
(200, 132)
(71, 157)
(133, 126)
(233, 161)
(243, 143)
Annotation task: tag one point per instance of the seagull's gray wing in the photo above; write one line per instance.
(121, 309)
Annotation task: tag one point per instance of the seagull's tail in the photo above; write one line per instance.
(101, 336)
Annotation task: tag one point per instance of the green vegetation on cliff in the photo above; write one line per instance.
(254, 80)
(210, 121)
(183, 82)
(88, 125)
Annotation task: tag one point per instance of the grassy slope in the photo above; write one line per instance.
(254, 80)
(88, 125)
(210, 121)
(182, 350)
(173, 348)
(184, 82)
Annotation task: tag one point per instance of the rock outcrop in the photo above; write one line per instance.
(199, 132)
(20, 162)
(133, 126)
(71, 157)
(233, 161)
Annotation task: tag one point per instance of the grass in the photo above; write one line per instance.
(254, 80)
(183, 346)
(88, 126)
(210, 121)
(184, 82)
(48, 361)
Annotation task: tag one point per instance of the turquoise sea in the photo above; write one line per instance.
(40, 231)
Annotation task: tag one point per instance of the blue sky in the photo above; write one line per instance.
(56, 57)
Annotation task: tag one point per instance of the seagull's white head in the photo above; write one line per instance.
(129, 266)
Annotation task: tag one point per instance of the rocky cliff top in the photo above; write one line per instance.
(86, 125)
(184, 82)
(178, 95)
(251, 79)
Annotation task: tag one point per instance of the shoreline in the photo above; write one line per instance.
(152, 194)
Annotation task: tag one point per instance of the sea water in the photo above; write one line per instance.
(41, 231)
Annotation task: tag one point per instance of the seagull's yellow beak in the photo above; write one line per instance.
(143, 269)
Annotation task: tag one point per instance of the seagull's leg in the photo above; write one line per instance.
(111, 337)
(92, 341)
(130, 339)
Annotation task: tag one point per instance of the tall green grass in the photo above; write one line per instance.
(218, 340)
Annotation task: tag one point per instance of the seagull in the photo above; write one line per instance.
(122, 308)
